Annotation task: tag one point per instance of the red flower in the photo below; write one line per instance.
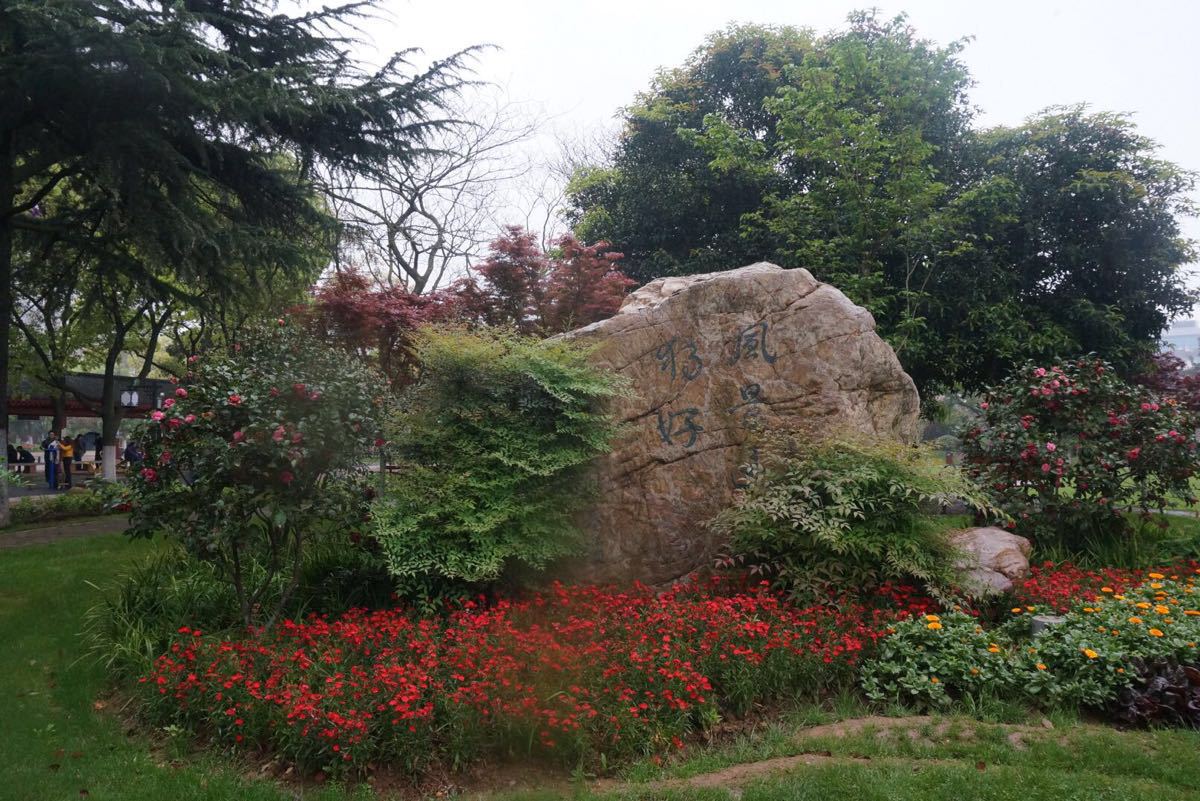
(235, 400)
(239, 436)
(149, 474)
(286, 477)
(180, 392)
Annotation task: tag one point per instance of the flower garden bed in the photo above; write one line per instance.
(588, 676)
(579, 674)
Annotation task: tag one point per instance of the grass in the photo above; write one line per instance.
(56, 743)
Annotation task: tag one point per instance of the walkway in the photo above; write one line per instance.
(63, 530)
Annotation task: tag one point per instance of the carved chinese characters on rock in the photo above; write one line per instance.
(714, 361)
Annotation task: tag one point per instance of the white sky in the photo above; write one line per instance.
(579, 62)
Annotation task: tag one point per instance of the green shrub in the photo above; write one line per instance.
(146, 607)
(492, 445)
(41, 509)
(820, 518)
(1087, 660)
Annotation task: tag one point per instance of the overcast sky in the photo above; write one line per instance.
(579, 62)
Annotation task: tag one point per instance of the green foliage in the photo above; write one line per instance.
(1087, 660)
(146, 606)
(821, 518)
(59, 507)
(258, 454)
(492, 444)
(853, 155)
(1065, 449)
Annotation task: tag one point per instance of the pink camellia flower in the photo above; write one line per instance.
(379, 442)
(1154, 407)
(286, 477)
(181, 392)
(191, 418)
(239, 436)
(314, 395)
(150, 474)
(983, 405)
(1041, 371)
(235, 400)
(299, 389)
(280, 322)
(274, 392)
(174, 423)
(168, 403)
(1134, 453)
(1045, 468)
(1145, 407)
(164, 457)
(156, 415)
(278, 435)
(297, 438)
(193, 359)
(1050, 446)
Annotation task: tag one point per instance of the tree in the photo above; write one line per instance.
(377, 324)
(660, 200)
(855, 158)
(191, 131)
(429, 219)
(531, 291)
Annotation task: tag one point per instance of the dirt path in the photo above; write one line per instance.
(63, 530)
(735, 777)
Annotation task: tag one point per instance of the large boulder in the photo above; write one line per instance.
(712, 359)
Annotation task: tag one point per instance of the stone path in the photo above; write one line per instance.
(63, 530)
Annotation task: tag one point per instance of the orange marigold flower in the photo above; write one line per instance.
(1162, 610)
(1041, 666)
(1106, 589)
(932, 618)
(1089, 653)
(1137, 621)
(933, 679)
(1155, 633)
(1156, 575)
(934, 626)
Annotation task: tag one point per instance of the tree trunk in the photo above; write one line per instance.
(60, 412)
(7, 195)
(110, 418)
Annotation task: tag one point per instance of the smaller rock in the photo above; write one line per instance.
(1039, 623)
(992, 559)
(979, 583)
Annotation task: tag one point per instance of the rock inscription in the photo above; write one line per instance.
(714, 359)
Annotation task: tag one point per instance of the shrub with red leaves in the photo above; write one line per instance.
(573, 672)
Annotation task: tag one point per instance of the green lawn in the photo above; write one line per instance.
(55, 744)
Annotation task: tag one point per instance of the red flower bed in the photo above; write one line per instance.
(574, 671)
(1058, 587)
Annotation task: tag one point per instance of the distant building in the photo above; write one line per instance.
(1183, 339)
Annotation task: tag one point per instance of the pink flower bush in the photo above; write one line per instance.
(1064, 449)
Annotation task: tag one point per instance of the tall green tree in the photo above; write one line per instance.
(975, 250)
(169, 120)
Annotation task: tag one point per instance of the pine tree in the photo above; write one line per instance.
(187, 134)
